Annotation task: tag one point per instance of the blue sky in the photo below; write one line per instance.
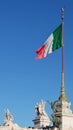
(24, 81)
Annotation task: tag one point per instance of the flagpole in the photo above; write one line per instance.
(63, 95)
(62, 40)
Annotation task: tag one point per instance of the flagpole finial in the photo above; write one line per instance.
(62, 10)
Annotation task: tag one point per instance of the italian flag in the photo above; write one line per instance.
(53, 42)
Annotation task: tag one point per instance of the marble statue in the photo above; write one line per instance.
(40, 108)
(8, 117)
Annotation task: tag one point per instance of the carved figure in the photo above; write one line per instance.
(8, 115)
(40, 108)
(8, 118)
(53, 105)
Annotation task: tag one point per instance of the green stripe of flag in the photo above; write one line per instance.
(57, 41)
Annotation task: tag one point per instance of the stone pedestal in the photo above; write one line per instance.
(41, 121)
(67, 116)
(62, 115)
